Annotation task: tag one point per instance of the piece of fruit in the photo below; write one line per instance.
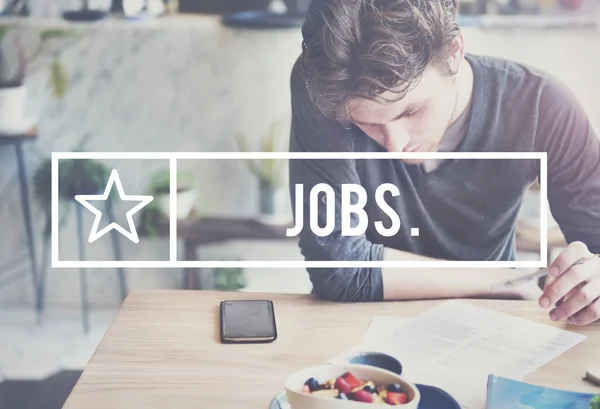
(343, 386)
(351, 379)
(363, 396)
(369, 389)
(394, 387)
(312, 384)
(330, 384)
(396, 398)
(327, 393)
(377, 399)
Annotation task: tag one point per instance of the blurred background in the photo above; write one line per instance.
(182, 76)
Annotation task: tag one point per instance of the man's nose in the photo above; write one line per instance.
(395, 136)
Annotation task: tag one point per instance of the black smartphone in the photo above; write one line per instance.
(247, 321)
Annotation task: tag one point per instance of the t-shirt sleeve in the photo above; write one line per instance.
(573, 152)
(311, 131)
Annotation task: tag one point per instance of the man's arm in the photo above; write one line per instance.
(573, 152)
(434, 283)
(313, 132)
(566, 134)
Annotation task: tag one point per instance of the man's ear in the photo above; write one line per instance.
(457, 54)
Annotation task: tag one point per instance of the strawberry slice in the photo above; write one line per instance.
(342, 385)
(351, 380)
(363, 396)
(396, 398)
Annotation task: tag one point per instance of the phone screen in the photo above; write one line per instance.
(251, 321)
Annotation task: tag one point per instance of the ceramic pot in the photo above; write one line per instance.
(185, 203)
(12, 106)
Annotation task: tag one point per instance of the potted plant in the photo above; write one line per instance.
(269, 172)
(76, 177)
(160, 188)
(14, 65)
(85, 13)
(229, 279)
(155, 215)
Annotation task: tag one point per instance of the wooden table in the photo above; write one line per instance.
(162, 350)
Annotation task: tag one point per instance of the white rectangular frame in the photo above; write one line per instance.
(173, 262)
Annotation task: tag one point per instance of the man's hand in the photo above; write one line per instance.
(528, 292)
(573, 289)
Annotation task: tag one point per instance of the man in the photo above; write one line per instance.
(393, 75)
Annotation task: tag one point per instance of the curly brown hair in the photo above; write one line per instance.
(363, 48)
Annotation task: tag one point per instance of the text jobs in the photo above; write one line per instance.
(347, 209)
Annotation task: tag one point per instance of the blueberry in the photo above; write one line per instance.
(342, 396)
(369, 389)
(394, 387)
(312, 384)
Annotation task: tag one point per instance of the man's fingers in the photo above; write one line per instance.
(549, 280)
(581, 297)
(565, 283)
(573, 253)
(569, 295)
(587, 315)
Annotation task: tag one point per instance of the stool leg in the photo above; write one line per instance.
(117, 251)
(82, 271)
(24, 186)
(41, 286)
(190, 274)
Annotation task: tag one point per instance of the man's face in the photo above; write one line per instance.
(417, 122)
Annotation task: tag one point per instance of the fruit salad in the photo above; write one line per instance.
(350, 387)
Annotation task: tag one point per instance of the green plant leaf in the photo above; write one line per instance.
(241, 141)
(268, 171)
(4, 29)
(160, 181)
(42, 181)
(185, 179)
(54, 33)
(229, 279)
(58, 80)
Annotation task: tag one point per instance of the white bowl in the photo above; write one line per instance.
(300, 400)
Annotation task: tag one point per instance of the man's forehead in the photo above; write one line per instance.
(410, 99)
(364, 111)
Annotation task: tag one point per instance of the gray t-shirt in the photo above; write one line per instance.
(464, 209)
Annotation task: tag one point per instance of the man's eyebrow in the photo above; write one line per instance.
(409, 108)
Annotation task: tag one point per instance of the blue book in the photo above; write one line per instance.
(504, 393)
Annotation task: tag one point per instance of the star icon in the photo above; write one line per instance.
(114, 180)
